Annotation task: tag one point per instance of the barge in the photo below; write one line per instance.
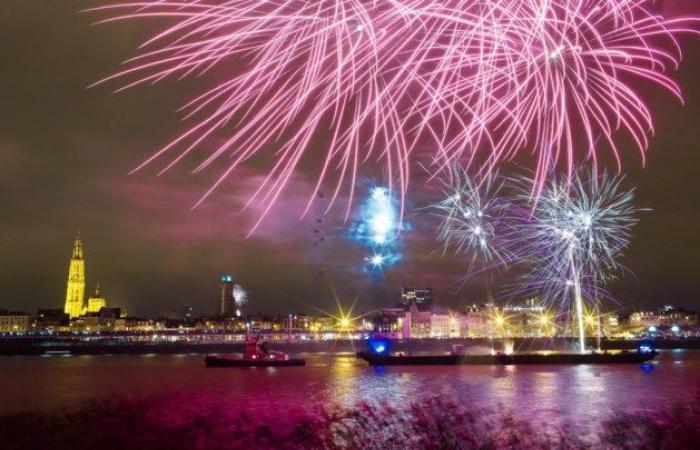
(255, 355)
(625, 357)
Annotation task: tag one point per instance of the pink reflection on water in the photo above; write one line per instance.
(181, 388)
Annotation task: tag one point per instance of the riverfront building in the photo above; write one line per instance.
(421, 297)
(14, 322)
(665, 316)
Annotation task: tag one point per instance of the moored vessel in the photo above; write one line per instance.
(255, 354)
(380, 355)
(625, 357)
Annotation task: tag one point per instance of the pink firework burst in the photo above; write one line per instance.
(375, 80)
(565, 77)
(352, 69)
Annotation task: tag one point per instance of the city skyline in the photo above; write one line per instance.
(65, 152)
(227, 304)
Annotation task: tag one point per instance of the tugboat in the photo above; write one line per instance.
(379, 355)
(256, 354)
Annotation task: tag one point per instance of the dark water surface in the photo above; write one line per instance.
(581, 395)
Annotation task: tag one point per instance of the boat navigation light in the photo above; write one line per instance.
(379, 345)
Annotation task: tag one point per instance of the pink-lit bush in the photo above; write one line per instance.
(438, 423)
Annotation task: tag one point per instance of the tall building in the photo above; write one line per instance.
(421, 297)
(188, 314)
(75, 291)
(227, 306)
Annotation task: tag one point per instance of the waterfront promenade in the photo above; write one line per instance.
(232, 343)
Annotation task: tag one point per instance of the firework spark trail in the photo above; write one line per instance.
(474, 81)
(565, 75)
(575, 238)
(570, 239)
(350, 64)
(477, 219)
(240, 297)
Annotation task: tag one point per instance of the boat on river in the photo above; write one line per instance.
(625, 357)
(379, 354)
(255, 354)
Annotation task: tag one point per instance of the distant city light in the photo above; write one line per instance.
(589, 319)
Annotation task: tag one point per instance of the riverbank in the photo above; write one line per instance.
(101, 346)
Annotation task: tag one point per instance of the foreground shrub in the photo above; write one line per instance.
(184, 422)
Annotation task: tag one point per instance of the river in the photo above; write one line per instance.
(577, 394)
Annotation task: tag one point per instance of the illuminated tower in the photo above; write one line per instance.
(75, 291)
(96, 302)
(227, 307)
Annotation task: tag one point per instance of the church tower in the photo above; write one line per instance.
(95, 302)
(75, 292)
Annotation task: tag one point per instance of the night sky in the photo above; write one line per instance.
(65, 154)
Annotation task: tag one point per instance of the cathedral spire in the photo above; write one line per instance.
(78, 248)
(75, 289)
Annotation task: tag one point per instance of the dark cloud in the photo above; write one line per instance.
(65, 152)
